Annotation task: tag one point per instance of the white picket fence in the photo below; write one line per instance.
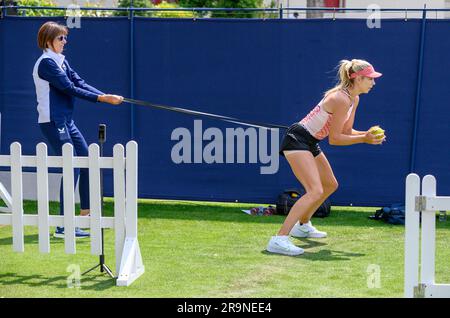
(129, 264)
(422, 204)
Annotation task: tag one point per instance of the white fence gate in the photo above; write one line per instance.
(129, 264)
(422, 204)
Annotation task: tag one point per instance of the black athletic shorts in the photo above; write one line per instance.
(298, 138)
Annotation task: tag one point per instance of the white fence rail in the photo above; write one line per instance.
(421, 206)
(129, 264)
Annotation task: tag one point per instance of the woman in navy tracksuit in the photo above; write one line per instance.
(57, 85)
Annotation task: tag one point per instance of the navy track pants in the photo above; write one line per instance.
(59, 134)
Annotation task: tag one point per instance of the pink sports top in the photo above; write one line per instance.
(318, 121)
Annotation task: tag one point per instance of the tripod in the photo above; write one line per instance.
(101, 264)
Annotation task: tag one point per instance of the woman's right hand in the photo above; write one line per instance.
(110, 99)
(372, 139)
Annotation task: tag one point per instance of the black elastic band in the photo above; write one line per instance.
(196, 113)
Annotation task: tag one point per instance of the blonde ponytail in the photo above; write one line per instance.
(345, 69)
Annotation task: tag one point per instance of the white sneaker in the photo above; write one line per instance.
(306, 230)
(282, 245)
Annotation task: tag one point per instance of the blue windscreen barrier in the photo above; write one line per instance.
(433, 153)
(271, 71)
(2, 72)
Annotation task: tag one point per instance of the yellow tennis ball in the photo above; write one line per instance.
(377, 131)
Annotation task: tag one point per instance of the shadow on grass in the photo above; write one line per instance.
(93, 282)
(321, 255)
(10, 279)
(330, 255)
(34, 240)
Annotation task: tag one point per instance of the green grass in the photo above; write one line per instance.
(202, 249)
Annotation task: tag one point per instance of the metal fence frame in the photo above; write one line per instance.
(279, 10)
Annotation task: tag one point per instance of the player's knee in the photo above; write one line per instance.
(316, 192)
(334, 185)
(330, 186)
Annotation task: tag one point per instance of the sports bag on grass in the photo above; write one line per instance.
(288, 198)
(394, 214)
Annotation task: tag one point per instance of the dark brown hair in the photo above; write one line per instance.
(48, 32)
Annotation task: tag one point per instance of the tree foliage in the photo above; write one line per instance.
(136, 4)
(38, 12)
(56, 12)
(172, 14)
(226, 4)
(196, 4)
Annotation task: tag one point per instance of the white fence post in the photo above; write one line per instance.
(412, 235)
(95, 199)
(428, 233)
(42, 194)
(69, 199)
(119, 202)
(17, 201)
(131, 189)
(131, 266)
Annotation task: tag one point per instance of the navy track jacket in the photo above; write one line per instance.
(57, 85)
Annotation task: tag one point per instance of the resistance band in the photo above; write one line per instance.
(196, 113)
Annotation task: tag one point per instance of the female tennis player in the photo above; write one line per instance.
(333, 117)
(57, 85)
